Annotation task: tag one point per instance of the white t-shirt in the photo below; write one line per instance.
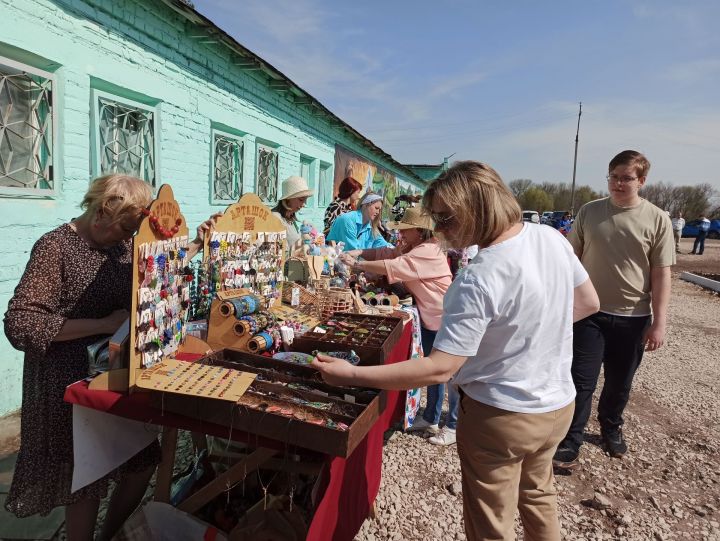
(511, 313)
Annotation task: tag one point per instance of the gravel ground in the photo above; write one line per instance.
(667, 486)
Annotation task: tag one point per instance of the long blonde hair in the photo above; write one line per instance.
(117, 196)
(483, 206)
(375, 223)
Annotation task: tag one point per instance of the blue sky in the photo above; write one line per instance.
(500, 81)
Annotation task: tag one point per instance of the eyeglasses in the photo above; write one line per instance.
(442, 221)
(623, 180)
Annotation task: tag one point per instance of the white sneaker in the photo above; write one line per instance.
(446, 436)
(422, 424)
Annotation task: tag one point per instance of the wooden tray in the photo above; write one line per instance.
(358, 408)
(373, 347)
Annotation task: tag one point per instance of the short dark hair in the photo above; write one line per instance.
(634, 158)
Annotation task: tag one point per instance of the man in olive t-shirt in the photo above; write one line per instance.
(626, 245)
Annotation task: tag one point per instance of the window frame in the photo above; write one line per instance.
(267, 146)
(310, 178)
(329, 168)
(54, 161)
(95, 152)
(240, 178)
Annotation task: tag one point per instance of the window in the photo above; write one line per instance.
(306, 173)
(325, 186)
(26, 129)
(228, 168)
(125, 138)
(267, 173)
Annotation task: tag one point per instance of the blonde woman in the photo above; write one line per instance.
(508, 356)
(360, 229)
(76, 286)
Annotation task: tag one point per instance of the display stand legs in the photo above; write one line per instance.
(165, 469)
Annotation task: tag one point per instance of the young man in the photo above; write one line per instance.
(677, 224)
(626, 245)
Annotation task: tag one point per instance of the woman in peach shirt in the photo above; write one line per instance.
(422, 267)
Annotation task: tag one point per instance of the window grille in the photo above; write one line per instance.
(26, 129)
(227, 181)
(126, 139)
(267, 173)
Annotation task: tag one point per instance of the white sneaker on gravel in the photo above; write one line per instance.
(446, 436)
(422, 424)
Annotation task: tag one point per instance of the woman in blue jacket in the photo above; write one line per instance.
(360, 229)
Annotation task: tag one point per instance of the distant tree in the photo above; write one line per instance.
(535, 198)
(692, 201)
(661, 195)
(585, 194)
(519, 186)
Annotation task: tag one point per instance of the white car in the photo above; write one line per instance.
(530, 216)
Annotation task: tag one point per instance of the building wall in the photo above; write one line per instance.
(143, 51)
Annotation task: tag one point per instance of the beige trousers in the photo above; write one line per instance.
(506, 461)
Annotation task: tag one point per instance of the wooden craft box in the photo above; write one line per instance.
(358, 408)
(373, 347)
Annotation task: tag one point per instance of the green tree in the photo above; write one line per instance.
(535, 198)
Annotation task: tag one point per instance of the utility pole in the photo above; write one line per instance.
(572, 191)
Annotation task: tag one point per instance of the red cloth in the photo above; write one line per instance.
(353, 482)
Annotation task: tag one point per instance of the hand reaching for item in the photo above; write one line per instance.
(334, 371)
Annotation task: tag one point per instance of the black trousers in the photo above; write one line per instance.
(616, 344)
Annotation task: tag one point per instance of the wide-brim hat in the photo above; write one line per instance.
(414, 217)
(295, 186)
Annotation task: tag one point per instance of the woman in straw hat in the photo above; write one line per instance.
(422, 267)
(294, 195)
(510, 358)
(360, 229)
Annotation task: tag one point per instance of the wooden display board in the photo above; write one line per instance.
(168, 214)
(244, 254)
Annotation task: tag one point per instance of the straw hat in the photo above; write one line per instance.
(295, 186)
(414, 217)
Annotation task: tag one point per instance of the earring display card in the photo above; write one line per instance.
(287, 403)
(196, 379)
(371, 337)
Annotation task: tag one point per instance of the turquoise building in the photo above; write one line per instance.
(151, 88)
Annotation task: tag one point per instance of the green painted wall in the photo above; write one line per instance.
(142, 50)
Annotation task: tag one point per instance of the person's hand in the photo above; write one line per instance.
(354, 253)
(204, 227)
(112, 321)
(334, 371)
(348, 259)
(654, 337)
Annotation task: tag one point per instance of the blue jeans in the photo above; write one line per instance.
(436, 393)
(699, 244)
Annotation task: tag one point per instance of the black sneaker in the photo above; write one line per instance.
(566, 459)
(615, 443)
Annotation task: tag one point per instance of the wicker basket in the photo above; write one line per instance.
(320, 285)
(335, 299)
(307, 298)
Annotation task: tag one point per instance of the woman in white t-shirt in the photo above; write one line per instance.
(506, 342)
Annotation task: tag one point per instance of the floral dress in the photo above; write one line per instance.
(64, 279)
(335, 209)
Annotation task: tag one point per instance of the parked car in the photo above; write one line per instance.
(691, 229)
(555, 218)
(530, 216)
(546, 216)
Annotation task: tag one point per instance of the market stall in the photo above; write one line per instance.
(249, 382)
